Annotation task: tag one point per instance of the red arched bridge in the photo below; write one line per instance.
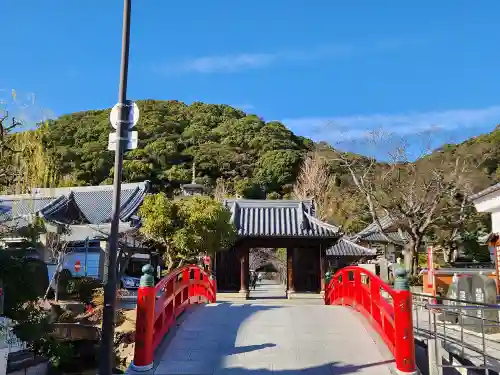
(366, 328)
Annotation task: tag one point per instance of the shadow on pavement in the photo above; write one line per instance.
(251, 339)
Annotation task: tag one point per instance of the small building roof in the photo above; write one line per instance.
(345, 247)
(372, 232)
(485, 192)
(76, 205)
(278, 218)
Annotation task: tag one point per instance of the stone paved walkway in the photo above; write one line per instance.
(252, 338)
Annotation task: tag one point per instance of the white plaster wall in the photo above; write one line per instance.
(488, 203)
(495, 222)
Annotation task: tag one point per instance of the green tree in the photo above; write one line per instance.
(277, 168)
(186, 227)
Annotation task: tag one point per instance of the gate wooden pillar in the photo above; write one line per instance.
(244, 269)
(322, 267)
(290, 274)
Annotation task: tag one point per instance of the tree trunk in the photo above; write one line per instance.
(411, 256)
(180, 264)
(169, 261)
(123, 261)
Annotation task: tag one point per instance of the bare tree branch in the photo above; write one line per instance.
(416, 196)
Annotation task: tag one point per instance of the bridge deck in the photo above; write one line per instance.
(273, 336)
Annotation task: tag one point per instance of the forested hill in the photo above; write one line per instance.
(225, 142)
(255, 158)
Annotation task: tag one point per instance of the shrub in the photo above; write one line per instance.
(416, 280)
(83, 288)
(98, 296)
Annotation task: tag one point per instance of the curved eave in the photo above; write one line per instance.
(4, 208)
(322, 229)
(130, 207)
(57, 206)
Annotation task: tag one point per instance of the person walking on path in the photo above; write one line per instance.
(253, 280)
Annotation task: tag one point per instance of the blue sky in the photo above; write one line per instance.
(330, 71)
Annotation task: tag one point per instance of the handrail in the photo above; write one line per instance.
(158, 307)
(461, 328)
(444, 298)
(390, 314)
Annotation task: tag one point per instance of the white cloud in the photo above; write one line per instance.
(244, 107)
(356, 127)
(228, 63)
(231, 63)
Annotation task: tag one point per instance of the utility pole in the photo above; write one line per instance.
(108, 321)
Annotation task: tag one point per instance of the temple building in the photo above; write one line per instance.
(388, 243)
(289, 224)
(80, 215)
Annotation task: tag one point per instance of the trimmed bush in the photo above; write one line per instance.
(83, 288)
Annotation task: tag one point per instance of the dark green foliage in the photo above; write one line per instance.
(22, 281)
(83, 288)
(473, 249)
(250, 154)
(254, 158)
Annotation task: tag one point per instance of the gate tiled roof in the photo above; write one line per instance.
(278, 218)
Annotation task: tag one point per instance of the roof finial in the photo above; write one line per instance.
(193, 180)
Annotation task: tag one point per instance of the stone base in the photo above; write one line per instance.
(232, 296)
(295, 295)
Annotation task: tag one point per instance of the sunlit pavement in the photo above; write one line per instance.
(265, 335)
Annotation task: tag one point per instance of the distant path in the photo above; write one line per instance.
(268, 289)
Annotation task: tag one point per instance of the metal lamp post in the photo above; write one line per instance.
(107, 341)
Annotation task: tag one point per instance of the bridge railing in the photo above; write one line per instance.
(388, 309)
(159, 306)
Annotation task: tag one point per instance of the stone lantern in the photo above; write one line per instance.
(193, 188)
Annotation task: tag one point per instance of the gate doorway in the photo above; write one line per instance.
(272, 224)
(268, 276)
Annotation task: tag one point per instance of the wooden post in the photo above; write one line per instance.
(244, 270)
(247, 269)
(289, 266)
(322, 269)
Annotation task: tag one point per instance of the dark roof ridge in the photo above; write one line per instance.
(485, 192)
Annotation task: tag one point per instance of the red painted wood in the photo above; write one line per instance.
(163, 304)
(390, 317)
(143, 351)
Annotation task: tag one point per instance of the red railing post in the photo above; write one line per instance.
(375, 299)
(213, 283)
(143, 351)
(357, 286)
(404, 344)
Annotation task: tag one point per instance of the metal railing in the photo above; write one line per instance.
(8, 337)
(459, 334)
